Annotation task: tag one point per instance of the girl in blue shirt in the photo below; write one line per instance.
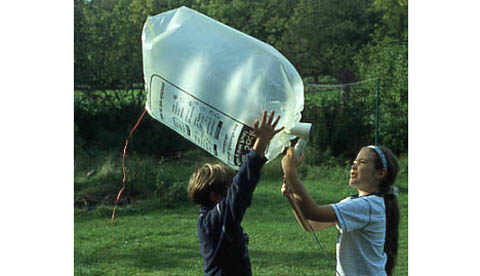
(367, 222)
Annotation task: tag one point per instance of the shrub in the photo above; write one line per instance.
(388, 59)
(170, 185)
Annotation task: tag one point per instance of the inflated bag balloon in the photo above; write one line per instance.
(209, 82)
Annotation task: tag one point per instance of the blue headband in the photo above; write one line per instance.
(380, 153)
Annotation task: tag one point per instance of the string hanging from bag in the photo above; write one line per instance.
(123, 164)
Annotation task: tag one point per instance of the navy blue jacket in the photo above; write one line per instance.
(223, 244)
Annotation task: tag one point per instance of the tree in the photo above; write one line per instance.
(386, 57)
(326, 40)
(388, 60)
(323, 36)
(394, 21)
(264, 20)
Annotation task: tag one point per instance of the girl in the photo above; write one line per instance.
(367, 222)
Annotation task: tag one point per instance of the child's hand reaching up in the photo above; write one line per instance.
(265, 131)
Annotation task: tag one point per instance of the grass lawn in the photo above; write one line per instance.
(159, 241)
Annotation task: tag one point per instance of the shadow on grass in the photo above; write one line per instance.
(152, 258)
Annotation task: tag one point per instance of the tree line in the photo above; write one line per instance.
(328, 42)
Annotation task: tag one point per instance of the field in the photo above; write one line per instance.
(149, 239)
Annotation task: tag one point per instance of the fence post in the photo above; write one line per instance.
(377, 99)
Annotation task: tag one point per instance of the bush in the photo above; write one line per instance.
(102, 124)
(99, 178)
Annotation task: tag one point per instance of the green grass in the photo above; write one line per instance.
(148, 239)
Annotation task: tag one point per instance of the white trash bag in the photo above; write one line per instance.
(209, 82)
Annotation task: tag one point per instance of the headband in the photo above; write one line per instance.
(381, 154)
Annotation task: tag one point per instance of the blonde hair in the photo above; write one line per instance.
(209, 178)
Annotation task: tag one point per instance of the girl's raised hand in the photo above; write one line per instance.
(290, 161)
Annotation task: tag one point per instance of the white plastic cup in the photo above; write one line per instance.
(302, 130)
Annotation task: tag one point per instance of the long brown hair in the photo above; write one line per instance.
(392, 212)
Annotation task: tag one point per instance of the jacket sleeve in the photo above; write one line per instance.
(239, 195)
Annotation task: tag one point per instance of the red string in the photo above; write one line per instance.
(123, 163)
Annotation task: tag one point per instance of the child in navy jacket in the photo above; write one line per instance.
(223, 197)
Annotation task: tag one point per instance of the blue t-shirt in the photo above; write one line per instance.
(360, 243)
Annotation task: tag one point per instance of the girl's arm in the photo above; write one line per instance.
(308, 208)
(307, 225)
(317, 226)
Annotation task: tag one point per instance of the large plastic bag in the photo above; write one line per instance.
(209, 82)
